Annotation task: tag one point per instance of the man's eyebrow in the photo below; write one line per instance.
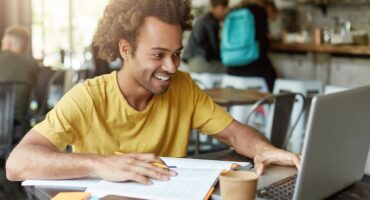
(167, 50)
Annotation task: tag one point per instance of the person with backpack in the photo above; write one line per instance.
(245, 44)
(202, 53)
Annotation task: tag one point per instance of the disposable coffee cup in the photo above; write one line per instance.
(238, 185)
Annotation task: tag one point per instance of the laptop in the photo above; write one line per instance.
(334, 151)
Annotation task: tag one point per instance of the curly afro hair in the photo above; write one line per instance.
(123, 18)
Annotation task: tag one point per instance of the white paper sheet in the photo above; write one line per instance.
(188, 184)
(62, 183)
(194, 180)
(201, 163)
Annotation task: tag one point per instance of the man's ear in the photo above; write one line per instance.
(124, 49)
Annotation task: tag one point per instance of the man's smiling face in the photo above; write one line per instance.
(157, 55)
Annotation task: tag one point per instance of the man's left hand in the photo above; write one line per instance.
(271, 155)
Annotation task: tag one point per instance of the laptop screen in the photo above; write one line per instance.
(336, 144)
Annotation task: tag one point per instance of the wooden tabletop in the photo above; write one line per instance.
(230, 96)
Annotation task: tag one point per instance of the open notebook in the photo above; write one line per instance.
(194, 181)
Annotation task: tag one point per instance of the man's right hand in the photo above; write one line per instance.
(136, 167)
(35, 157)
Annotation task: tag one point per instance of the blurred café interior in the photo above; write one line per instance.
(314, 46)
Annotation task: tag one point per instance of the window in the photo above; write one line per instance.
(64, 29)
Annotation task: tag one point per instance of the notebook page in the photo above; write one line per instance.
(201, 163)
(62, 183)
(188, 184)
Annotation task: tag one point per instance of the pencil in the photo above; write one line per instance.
(160, 165)
(209, 193)
(154, 163)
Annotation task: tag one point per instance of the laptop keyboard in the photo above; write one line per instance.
(282, 190)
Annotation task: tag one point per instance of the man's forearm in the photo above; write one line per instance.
(35, 157)
(38, 162)
(249, 142)
(246, 140)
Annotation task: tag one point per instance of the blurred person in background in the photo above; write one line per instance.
(203, 50)
(272, 11)
(16, 66)
(274, 20)
(262, 67)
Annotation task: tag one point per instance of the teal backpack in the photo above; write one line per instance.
(238, 40)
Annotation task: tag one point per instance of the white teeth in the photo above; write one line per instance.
(162, 78)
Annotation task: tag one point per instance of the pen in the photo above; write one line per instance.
(154, 163)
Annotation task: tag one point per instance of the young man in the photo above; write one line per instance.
(145, 110)
(202, 53)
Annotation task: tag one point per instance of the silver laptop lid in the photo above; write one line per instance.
(336, 145)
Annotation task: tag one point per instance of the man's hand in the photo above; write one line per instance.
(132, 167)
(271, 155)
(35, 157)
(248, 142)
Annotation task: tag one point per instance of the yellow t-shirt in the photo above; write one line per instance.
(94, 117)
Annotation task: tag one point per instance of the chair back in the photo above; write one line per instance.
(329, 89)
(7, 107)
(280, 129)
(46, 79)
(241, 82)
(207, 80)
(309, 88)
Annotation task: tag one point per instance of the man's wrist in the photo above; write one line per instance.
(263, 146)
(94, 165)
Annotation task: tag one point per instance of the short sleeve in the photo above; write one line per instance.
(70, 118)
(208, 117)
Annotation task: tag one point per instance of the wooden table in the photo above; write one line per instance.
(359, 190)
(229, 96)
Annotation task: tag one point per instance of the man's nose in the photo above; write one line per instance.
(170, 66)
